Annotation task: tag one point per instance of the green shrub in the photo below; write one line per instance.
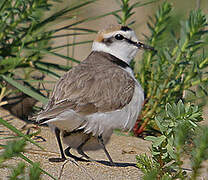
(180, 134)
(178, 69)
(25, 37)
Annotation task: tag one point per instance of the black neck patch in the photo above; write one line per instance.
(113, 59)
(119, 62)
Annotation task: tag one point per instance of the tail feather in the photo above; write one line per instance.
(67, 120)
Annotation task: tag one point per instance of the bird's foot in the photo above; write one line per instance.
(57, 159)
(67, 153)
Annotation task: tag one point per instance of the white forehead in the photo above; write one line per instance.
(127, 34)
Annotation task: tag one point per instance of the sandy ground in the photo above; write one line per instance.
(122, 149)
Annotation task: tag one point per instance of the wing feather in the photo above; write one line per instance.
(89, 88)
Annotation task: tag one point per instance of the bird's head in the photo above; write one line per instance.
(120, 41)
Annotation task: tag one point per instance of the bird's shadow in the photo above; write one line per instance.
(117, 164)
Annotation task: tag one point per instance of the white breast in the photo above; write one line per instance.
(125, 118)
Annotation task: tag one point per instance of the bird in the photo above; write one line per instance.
(97, 96)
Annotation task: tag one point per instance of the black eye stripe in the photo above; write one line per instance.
(110, 40)
(130, 41)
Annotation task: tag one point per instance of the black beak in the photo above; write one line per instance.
(140, 45)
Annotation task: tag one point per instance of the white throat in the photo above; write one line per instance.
(126, 54)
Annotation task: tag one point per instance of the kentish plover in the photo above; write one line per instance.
(97, 96)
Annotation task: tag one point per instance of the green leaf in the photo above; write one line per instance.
(169, 111)
(54, 37)
(119, 19)
(12, 149)
(17, 171)
(55, 54)
(36, 80)
(167, 55)
(155, 153)
(153, 174)
(19, 133)
(159, 140)
(25, 90)
(31, 162)
(166, 177)
(60, 13)
(47, 71)
(48, 65)
(150, 138)
(203, 63)
(9, 63)
(72, 44)
(181, 108)
(35, 171)
(158, 120)
(2, 4)
(83, 21)
(171, 151)
(164, 155)
(84, 29)
(139, 4)
(193, 124)
(199, 152)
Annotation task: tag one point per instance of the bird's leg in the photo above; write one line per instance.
(63, 158)
(100, 140)
(67, 152)
(81, 152)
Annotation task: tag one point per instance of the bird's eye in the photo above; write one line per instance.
(119, 37)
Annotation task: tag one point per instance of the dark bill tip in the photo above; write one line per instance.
(145, 47)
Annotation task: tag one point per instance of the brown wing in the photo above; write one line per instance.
(90, 88)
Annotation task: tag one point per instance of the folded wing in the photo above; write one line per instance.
(84, 90)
